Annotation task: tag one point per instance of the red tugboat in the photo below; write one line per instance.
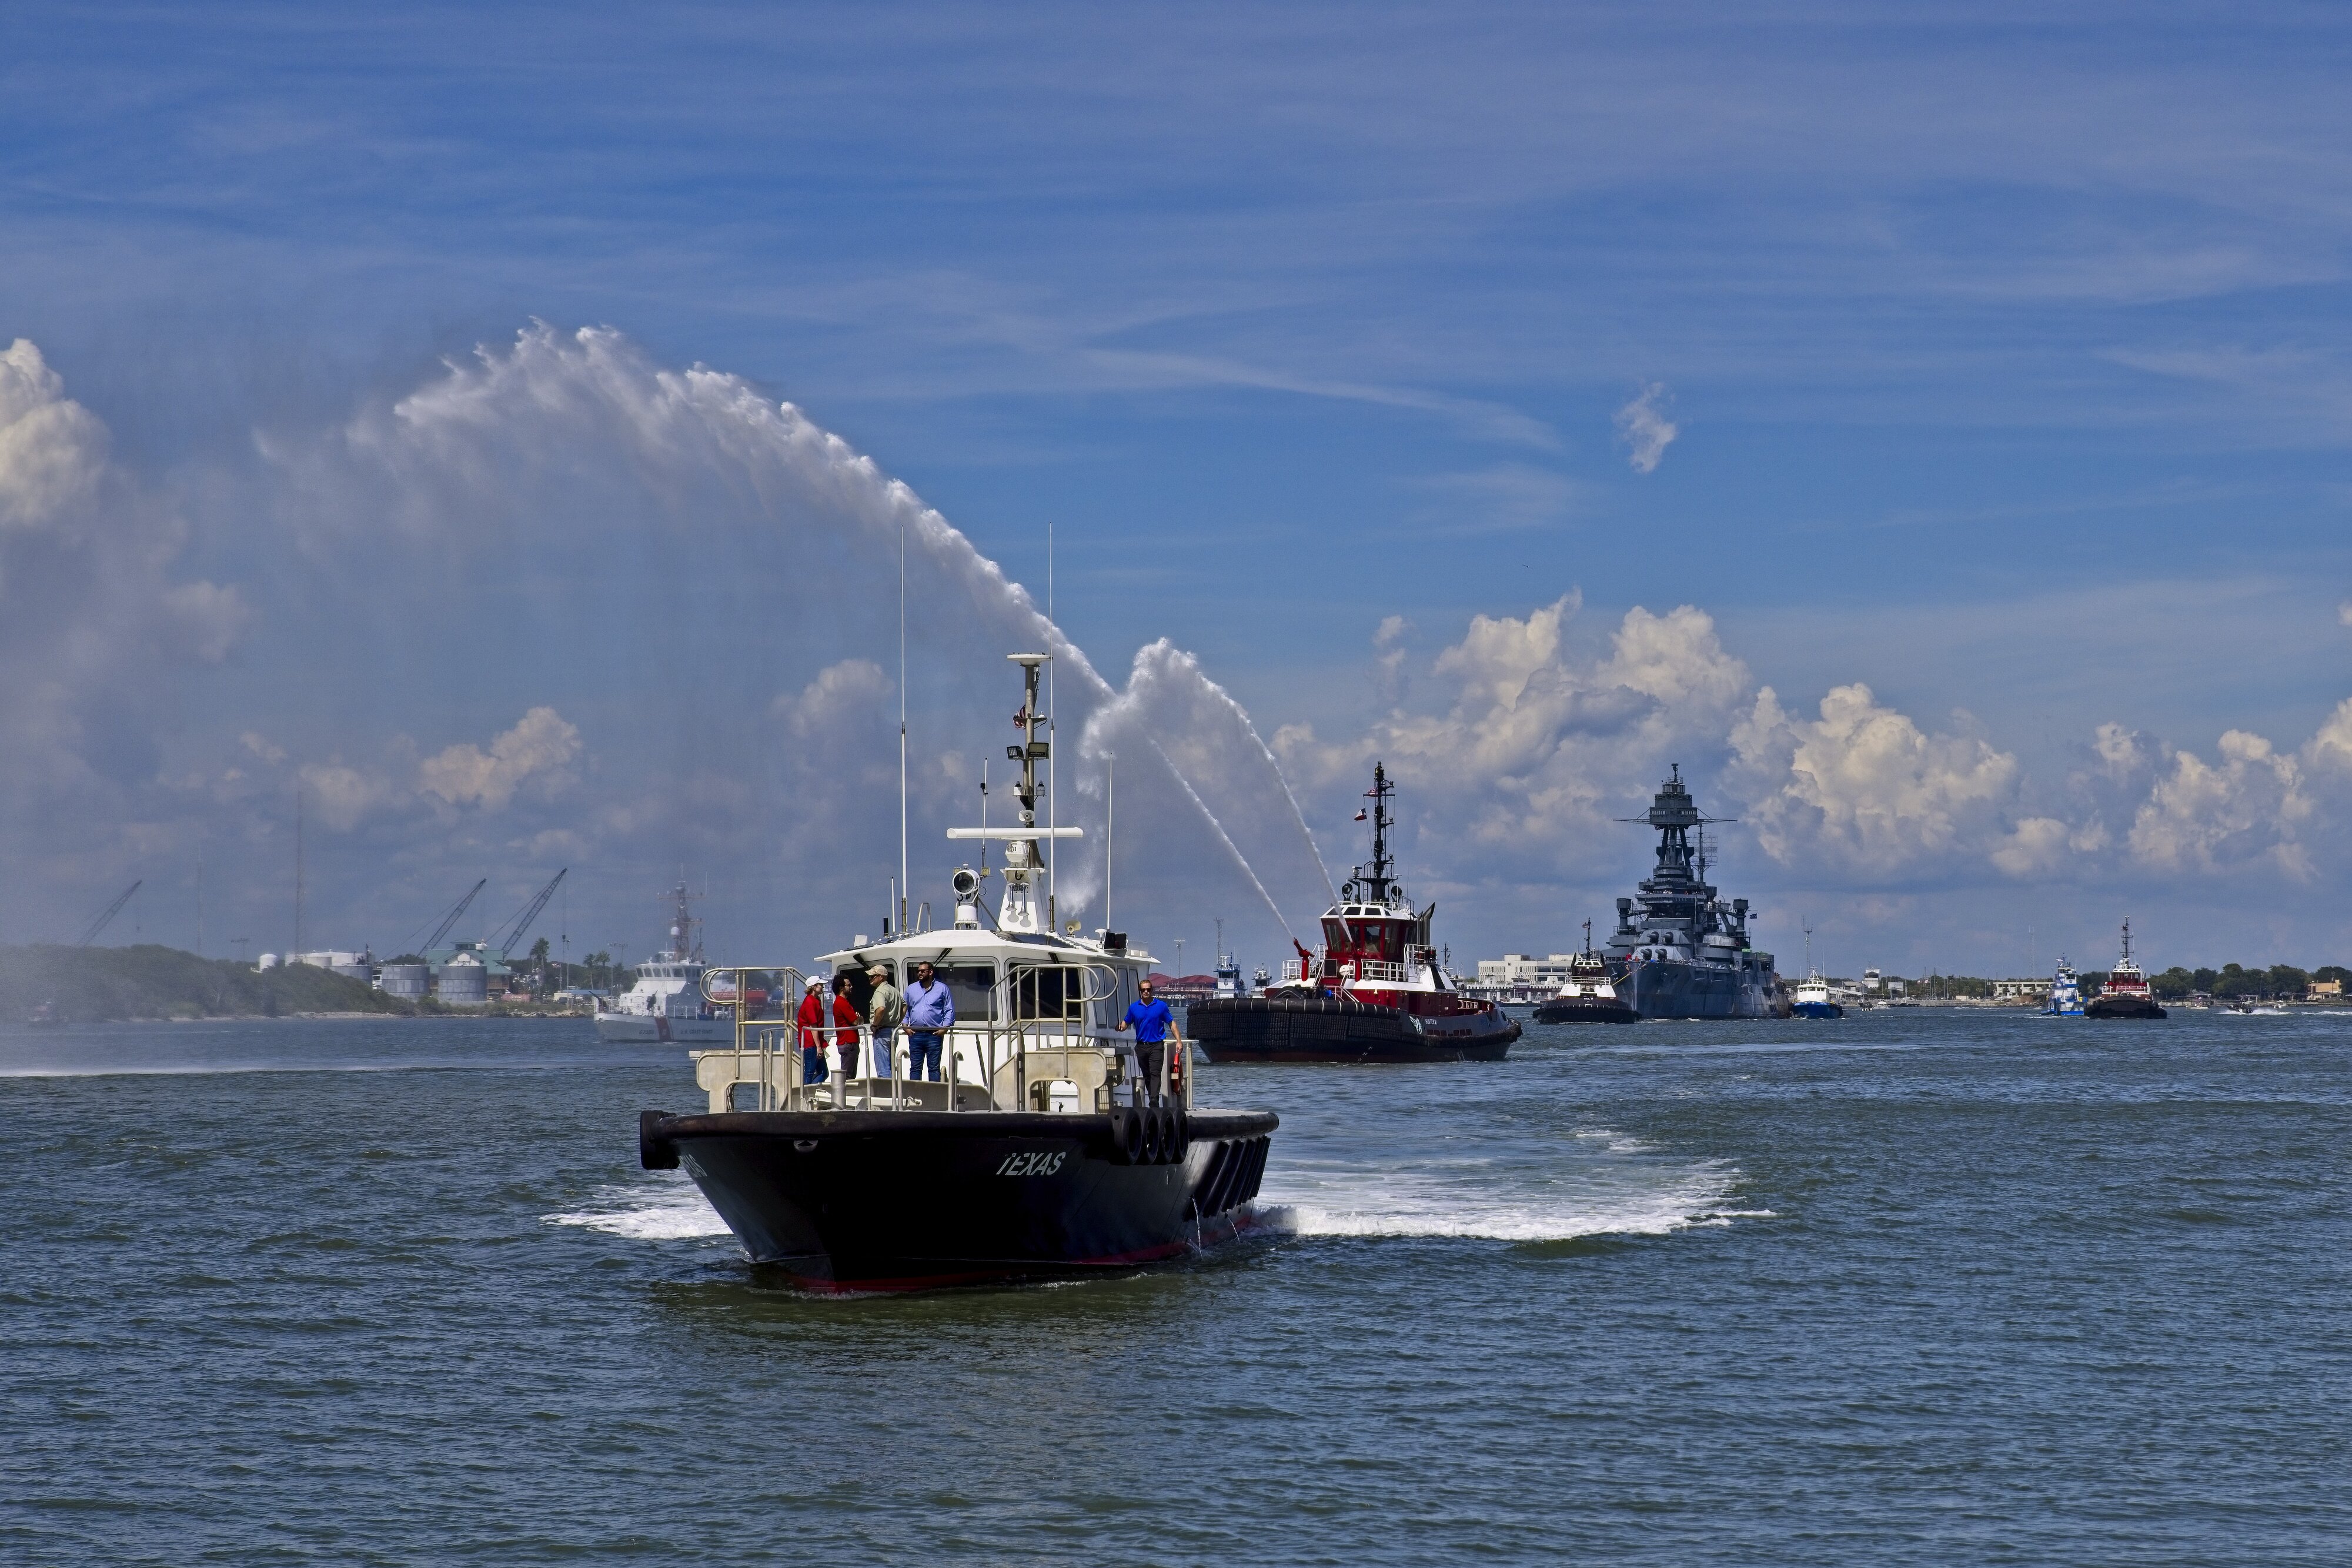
(1376, 992)
(2127, 994)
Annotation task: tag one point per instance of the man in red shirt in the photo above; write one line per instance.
(845, 1016)
(812, 1023)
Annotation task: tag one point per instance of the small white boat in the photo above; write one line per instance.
(667, 1004)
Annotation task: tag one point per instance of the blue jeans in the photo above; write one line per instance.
(879, 1067)
(919, 1049)
(812, 1064)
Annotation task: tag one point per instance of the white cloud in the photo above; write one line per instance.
(1863, 787)
(540, 744)
(2249, 805)
(1643, 427)
(91, 626)
(849, 692)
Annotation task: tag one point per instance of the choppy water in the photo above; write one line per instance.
(1905, 1288)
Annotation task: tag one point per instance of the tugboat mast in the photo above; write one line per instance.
(1372, 883)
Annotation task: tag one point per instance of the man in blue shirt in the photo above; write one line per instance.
(1154, 1024)
(930, 1012)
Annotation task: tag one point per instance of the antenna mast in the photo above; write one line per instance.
(902, 729)
(1052, 797)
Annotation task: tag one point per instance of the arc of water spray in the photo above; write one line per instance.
(1224, 839)
(596, 378)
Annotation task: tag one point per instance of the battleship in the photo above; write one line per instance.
(1679, 951)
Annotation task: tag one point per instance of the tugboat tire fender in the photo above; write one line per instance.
(654, 1152)
(1126, 1134)
(1175, 1135)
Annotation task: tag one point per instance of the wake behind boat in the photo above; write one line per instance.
(1043, 1150)
(1376, 992)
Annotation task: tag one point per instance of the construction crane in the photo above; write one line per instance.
(90, 933)
(530, 912)
(453, 916)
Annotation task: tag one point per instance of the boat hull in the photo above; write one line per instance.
(1584, 1010)
(1315, 1028)
(1663, 988)
(1817, 1011)
(919, 1200)
(2123, 1007)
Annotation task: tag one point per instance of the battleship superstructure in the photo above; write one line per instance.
(1679, 951)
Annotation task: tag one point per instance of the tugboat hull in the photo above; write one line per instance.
(2123, 1007)
(916, 1200)
(1339, 1029)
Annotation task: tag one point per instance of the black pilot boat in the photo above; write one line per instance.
(1377, 991)
(1042, 1153)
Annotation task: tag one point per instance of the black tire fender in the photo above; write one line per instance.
(1175, 1135)
(655, 1152)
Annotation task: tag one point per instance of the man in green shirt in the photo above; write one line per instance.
(885, 1010)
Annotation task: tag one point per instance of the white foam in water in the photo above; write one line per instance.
(1615, 1192)
(672, 1209)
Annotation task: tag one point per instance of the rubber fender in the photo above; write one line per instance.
(1147, 1119)
(1175, 1135)
(1215, 1192)
(655, 1152)
(1252, 1172)
(1127, 1136)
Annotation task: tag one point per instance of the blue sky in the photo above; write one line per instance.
(2006, 363)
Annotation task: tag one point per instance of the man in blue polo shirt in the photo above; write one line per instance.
(1154, 1025)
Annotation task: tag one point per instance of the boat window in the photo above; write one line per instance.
(1053, 993)
(974, 986)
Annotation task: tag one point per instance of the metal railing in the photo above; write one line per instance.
(769, 1053)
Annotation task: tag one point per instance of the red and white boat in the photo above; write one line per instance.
(1376, 991)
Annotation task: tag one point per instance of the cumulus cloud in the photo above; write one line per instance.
(93, 627)
(845, 692)
(2247, 804)
(1539, 744)
(1643, 428)
(1862, 785)
(540, 746)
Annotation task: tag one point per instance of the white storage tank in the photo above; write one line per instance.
(465, 983)
(409, 980)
